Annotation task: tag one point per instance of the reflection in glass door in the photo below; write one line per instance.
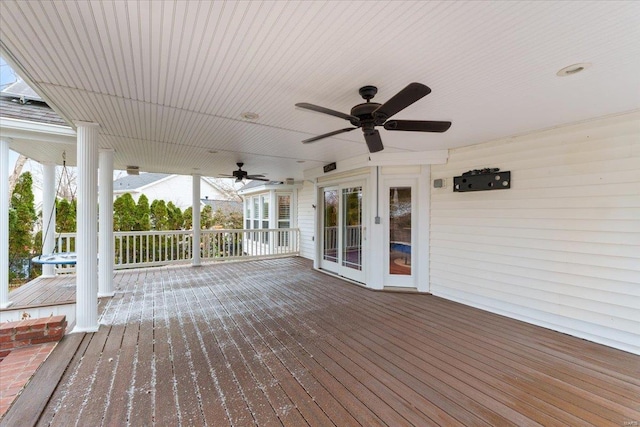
(342, 219)
(352, 227)
(400, 230)
(330, 225)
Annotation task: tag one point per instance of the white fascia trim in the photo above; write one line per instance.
(268, 187)
(409, 158)
(341, 167)
(24, 129)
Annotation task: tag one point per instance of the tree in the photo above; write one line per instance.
(17, 172)
(187, 216)
(206, 218)
(22, 217)
(159, 215)
(175, 220)
(229, 221)
(65, 216)
(124, 209)
(142, 214)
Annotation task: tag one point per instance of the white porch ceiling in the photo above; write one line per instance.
(168, 80)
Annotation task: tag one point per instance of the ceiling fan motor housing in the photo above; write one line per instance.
(368, 92)
(364, 113)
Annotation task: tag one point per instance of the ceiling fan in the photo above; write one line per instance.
(369, 114)
(239, 175)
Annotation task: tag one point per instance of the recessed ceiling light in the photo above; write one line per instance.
(248, 115)
(573, 69)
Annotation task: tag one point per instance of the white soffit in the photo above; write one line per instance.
(169, 81)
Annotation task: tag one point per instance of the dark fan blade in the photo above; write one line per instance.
(256, 178)
(326, 135)
(417, 125)
(327, 111)
(401, 100)
(373, 141)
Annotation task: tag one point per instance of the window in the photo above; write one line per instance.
(247, 214)
(264, 202)
(284, 218)
(256, 212)
(255, 216)
(284, 211)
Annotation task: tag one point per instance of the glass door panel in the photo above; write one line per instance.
(330, 225)
(352, 227)
(400, 230)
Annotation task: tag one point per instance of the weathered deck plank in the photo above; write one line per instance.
(276, 343)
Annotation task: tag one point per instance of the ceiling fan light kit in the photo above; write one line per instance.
(369, 114)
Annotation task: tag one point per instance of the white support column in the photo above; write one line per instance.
(87, 226)
(105, 218)
(195, 226)
(4, 223)
(48, 215)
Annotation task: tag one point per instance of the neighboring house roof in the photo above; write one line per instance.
(20, 89)
(29, 110)
(135, 182)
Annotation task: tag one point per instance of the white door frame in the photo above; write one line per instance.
(397, 280)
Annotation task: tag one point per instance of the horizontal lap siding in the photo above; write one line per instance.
(561, 248)
(306, 200)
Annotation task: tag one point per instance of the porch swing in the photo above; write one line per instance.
(57, 258)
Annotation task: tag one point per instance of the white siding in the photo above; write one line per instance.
(561, 248)
(306, 219)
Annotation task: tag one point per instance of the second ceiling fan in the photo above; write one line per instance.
(241, 175)
(369, 114)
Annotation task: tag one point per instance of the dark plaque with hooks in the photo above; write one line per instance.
(482, 180)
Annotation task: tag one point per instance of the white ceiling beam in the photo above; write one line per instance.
(33, 131)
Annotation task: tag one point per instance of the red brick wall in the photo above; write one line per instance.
(29, 332)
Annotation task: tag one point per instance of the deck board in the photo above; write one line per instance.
(43, 292)
(274, 342)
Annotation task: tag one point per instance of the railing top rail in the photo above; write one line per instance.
(150, 232)
(248, 230)
(161, 232)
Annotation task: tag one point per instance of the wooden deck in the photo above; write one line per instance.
(275, 343)
(44, 291)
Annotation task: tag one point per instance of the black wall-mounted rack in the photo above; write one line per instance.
(482, 180)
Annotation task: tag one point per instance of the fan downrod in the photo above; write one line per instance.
(368, 92)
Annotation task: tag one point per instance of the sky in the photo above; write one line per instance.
(8, 76)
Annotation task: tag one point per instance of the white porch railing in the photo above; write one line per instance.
(352, 237)
(155, 248)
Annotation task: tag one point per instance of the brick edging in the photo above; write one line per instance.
(24, 333)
